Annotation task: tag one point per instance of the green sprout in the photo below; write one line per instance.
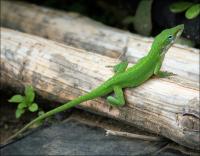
(25, 102)
(192, 10)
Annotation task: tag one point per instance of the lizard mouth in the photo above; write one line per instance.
(178, 34)
(179, 31)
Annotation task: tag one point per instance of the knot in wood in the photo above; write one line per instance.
(190, 122)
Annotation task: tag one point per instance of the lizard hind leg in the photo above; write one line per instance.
(118, 100)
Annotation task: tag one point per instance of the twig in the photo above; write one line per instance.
(135, 136)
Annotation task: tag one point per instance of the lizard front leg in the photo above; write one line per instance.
(161, 74)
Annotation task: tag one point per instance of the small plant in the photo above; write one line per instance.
(192, 10)
(142, 19)
(25, 102)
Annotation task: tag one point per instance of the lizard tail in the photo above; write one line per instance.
(80, 99)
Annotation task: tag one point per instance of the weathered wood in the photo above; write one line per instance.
(82, 32)
(70, 28)
(62, 73)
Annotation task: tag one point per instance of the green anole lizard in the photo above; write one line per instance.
(134, 76)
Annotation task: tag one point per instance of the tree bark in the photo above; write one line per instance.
(59, 72)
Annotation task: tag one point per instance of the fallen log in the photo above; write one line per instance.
(81, 32)
(59, 72)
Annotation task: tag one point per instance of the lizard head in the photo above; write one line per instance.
(166, 38)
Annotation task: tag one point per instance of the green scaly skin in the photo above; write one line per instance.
(134, 76)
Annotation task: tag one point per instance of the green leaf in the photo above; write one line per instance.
(178, 7)
(142, 19)
(193, 11)
(33, 107)
(16, 99)
(19, 112)
(29, 94)
(21, 105)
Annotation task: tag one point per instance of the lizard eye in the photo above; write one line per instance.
(170, 37)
